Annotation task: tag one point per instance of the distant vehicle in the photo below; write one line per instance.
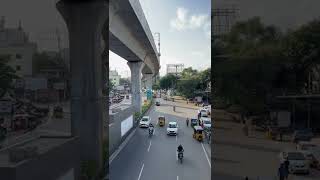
(297, 161)
(204, 104)
(206, 122)
(306, 146)
(145, 121)
(172, 128)
(308, 149)
(204, 113)
(302, 135)
(127, 96)
(157, 103)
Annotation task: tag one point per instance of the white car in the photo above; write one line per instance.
(297, 161)
(172, 128)
(145, 121)
(206, 122)
(208, 109)
(203, 112)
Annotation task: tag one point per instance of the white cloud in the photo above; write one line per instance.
(180, 22)
(207, 29)
(197, 21)
(184, 21)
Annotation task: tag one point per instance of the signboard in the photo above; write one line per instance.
(149, 94)
(126, 125)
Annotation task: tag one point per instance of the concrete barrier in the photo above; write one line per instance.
(115, 138)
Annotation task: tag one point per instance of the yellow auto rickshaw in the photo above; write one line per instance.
(161, 120)
(198, 133)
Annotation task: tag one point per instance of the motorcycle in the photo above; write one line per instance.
(150, 132)
(180, 156)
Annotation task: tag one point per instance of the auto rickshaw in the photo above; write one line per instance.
(194, 122)
(198, 133)
(161, 121)
(58, 112)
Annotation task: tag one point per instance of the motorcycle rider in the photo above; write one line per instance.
(187, 121)
(180, 149)
(151, 128)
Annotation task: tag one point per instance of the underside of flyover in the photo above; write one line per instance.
(128, 36)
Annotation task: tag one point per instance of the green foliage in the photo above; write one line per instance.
(255, 60)
(7, 73)
(111, 86)
(156, 86)
(124, 81)
(167, 82)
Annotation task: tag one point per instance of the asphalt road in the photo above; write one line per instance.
(145, 158)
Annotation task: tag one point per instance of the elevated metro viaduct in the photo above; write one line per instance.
(129, 36)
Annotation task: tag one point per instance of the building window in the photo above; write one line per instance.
(18, 68)
(18, 56)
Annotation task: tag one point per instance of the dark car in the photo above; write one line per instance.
(157, 103)
(302, 135)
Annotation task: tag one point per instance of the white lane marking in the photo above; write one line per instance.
(140, 172)
(111, 124)
(154, 130)
(177, 138)
(206, 155)
(149, 146)
(125, 142)
(177, 177)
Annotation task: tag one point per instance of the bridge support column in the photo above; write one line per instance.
(85, 21)
(148, 80)
(136, 68)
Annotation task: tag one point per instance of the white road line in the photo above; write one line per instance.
(177, 177)
(206, 155)
(110, 124)
(176, 138)
(140, 172)
(149, 146)
(154, 130)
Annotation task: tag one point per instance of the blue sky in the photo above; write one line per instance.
(185, 27)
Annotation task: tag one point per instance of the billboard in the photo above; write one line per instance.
(126, 125)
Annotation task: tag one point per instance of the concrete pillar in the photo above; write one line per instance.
(136, 68)
(148, 80)
(85, 20)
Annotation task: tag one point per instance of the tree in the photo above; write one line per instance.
(188, 87)
(167, 82)
(124, 81)
(156, 86)
(110, 86)
(7, 74)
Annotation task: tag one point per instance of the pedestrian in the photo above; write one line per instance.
(286, 165)
(282, 171)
